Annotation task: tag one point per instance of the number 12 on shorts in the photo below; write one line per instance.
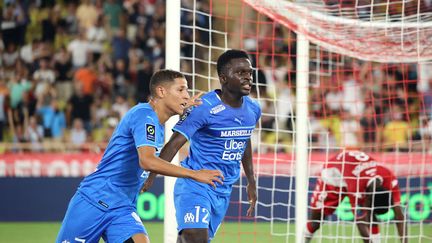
(201, 214)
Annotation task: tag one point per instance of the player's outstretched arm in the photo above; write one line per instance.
(150, 162)
(248, 169)
(401, 224)
(167, 153)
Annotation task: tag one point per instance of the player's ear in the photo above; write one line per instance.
(161, 91)
(222, 79)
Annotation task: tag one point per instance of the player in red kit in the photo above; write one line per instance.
(370, 187)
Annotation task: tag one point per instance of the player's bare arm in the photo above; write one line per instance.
(150, 162)
(363, 227)
(401, 224)
(251, 187)
(168, 152)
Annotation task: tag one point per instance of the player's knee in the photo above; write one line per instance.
(311, 227)
(194, 236)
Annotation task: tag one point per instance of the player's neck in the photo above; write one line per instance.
(231, 99)
(161, 110)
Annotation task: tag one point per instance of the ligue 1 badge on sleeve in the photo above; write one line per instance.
(150, 132)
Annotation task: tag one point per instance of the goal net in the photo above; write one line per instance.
(370, 88)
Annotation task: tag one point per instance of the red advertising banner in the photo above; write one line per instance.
(277, 164)
(48, 164)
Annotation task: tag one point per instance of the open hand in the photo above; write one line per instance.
(195, 100)
(208, 177)
(251, 191)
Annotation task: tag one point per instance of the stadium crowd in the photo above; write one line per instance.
(353, 103)
(69, 70)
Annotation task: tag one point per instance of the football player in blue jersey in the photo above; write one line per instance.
(105, 202)
(219, 132)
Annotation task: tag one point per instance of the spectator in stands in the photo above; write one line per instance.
(58, 125)
(101, 110)
(46, 113)
(4, 96)
(79, 106)
(86, 14)
(371, 126)
(44, 77)
(86, 77)
(120, 46)
(16, 121)
(351, 131)
(397, 132)
(334, 98)
(13, 23)
(121, 78)
(97, 36)
(114, 13)
(352, 93)
(18, 87)
(10, 56)
(78, 135)
(34, 133)
(70, 18)
(63, 72)
(120, 105)
(424, 87)
(79, 48)
(51, 24)
(30, 52)
(425, 131)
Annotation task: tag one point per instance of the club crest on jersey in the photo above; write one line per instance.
(217, 109)
(150, 132)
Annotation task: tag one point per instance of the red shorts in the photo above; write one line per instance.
(326, 198)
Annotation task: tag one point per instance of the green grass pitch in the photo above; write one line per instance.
(37, 232)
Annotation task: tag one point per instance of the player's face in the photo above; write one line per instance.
(177, 96)
(239, 76)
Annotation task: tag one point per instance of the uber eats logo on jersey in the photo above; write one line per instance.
(233, 149)
(150, 131)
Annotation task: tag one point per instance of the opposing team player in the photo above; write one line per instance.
(105, 202)
(371, 188)
(219, 132)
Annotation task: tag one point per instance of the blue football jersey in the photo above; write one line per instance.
(118, 177)
(218, 136)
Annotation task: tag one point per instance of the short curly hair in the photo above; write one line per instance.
(224, 59)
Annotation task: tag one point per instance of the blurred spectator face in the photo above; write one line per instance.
(120, 99)
(33, 122)
(369, 112)
(78, 88)
(11, 47)
(121, 33)
(100, 21)
(78, 124)
(54, 104)
(43, 64)
(397, 113)
(120, 65)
